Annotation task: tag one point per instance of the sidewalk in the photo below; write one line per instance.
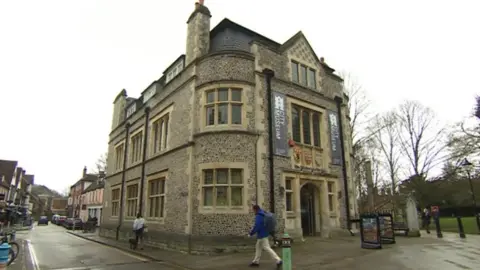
(314, 253)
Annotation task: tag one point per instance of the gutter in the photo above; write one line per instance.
(344, 163)
(144, 158)
(122, 189)
(269, 74)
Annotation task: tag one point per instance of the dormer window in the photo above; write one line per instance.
(303, 75)
(174, 72)
(131, 110)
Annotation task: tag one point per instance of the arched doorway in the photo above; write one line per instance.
(308, 199)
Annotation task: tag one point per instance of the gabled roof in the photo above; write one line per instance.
(226, 23)
(7, 169)
(94, 186)
(87, 178)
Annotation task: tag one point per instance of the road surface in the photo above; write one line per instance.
(51, 248)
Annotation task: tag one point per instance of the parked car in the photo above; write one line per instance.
(61, 220)
(73, 223)
(55, 219)
(43, 220)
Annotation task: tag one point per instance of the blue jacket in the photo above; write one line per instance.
(259, 226)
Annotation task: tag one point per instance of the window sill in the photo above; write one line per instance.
(224, 127)
(159, 153)
(133, 164)
(155, 220)
(305, 86)
(291, 214)
(223, 210)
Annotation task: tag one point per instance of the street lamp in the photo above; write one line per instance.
(467, 164)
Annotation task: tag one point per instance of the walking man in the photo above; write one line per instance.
(262, 232)
(138, 228)
(427, 218)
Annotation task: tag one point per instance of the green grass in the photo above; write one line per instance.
(451, 225)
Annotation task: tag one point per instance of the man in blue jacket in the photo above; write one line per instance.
(262, 233)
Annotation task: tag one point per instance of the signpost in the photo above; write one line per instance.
(370, 231)
(387, 235)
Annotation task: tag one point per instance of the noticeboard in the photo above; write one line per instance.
(370, 231)
(387, 235)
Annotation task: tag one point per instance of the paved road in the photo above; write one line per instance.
(50, 247)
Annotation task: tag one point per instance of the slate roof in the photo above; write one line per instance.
(226, 23)
(87, 178)
(7, 169)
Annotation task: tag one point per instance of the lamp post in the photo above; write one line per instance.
(467, 164)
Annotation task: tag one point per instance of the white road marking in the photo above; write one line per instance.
(142, 259)
(33, 256)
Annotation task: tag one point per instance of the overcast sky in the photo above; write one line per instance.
(63, 62)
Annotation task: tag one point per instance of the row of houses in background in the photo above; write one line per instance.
(85, 199)
(15, 189)
(18, 191)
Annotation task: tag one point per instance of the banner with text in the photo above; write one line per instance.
(334, 128)
(279, 122)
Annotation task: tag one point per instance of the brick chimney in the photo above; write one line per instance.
(198, 33)
(84, 171)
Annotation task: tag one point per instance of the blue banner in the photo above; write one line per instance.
(279, 122)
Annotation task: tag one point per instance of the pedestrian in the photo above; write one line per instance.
(138, 228)
(262, 232)
(427, 217)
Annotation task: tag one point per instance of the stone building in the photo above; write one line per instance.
(191, 153)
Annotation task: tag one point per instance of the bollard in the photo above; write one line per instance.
(4, 251)
(286, 252)
(460, 227)
(437, 227)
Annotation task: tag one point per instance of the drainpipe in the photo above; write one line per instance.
(144, 158)
(257, 170)
(344, 165)
(269, 74)
(122, 189)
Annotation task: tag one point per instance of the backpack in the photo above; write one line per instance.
(270, 222)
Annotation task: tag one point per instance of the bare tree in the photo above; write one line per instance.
(358, 105)
(386, 139)
(464, 139)
(421, 139)
(101, 164)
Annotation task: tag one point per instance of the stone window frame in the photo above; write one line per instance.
(119, 156)
(131, 203)
(308, 69)
(137, 134)
(332, 197)
(165, 113)
(115, 199)
(311, 121)
(203, 100)
(290, 191)
(324, 136)
(162, 176)
(244, 208)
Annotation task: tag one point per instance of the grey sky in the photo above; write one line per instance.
(63, 62)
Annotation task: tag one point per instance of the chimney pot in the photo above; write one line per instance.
(201, 2)
(322, 60)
